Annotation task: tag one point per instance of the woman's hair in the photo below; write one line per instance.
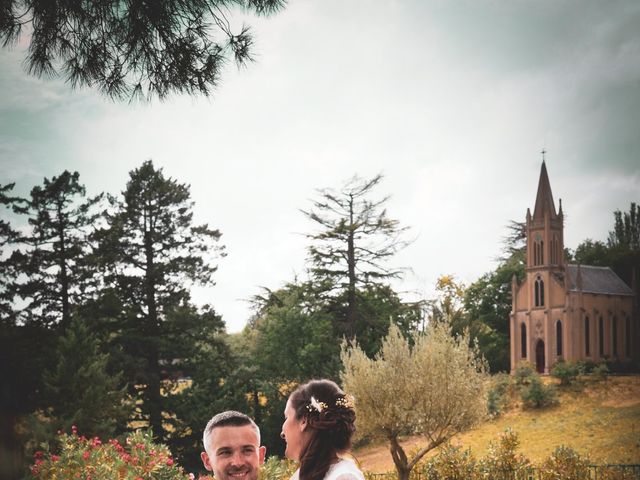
(330, 422)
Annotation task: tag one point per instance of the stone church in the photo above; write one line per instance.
(563, 311)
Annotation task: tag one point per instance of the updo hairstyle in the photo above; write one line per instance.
(330, 421)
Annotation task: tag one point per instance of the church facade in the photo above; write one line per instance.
(562, 311)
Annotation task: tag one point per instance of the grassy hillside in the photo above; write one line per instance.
(601, 419)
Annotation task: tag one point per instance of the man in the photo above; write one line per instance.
(232, 447)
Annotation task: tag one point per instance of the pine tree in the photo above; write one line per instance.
(354, 243)
(80, 388)
(152, 252)
(52, 261)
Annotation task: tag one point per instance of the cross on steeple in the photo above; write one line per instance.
(543, 152)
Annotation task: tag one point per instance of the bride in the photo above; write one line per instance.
(319, 421)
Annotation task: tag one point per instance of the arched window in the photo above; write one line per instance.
(614, 335)
(538, 247)
(523, 340)
(627, 342)
(601, 335)
(559, 338)
(539, 292)
(587, 338)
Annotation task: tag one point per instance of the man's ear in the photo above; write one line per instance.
(205, 461)
(262, 452)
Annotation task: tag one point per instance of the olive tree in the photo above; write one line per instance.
(432, 384)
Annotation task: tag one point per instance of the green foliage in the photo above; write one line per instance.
(538, 395)
(525, 371)
(51, 260)
(81, 457)
(567, 372)
(566, 464)
(503, 460)
(152, 253)
(80, 389)
(129, 49)
(600, 371)
(498, 394)
(487, 302)
(294, 336)
(451, 463)
(275, 468)
(402, 390)
(350, 251)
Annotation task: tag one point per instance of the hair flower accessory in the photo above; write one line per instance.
(346, 402)
(316, 405)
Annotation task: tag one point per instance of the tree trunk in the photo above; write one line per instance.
(399, 458)
(154, 385)
(351, 272)
(64, 277)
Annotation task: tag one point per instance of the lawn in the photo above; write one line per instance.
(599, 419)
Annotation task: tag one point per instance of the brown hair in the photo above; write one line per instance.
(331, 424)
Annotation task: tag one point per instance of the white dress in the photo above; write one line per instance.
(344, 469)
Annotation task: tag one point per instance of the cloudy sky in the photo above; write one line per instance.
(451, 100)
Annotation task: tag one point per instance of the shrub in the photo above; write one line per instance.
(600, 371)
(277, 469)
(451, 463)
(81, 457)
(497, 399)
(524, 373)
(566, 464)
(537, 394)
(502, 459)
(566, 372)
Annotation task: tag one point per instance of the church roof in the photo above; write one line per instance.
(601, 280)
(544, 198)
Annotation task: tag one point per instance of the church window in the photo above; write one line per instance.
(559, 338)
(539, 292)
(523, 340)
(586, 337)
(614, 335)
(538, 256)
(601, 335)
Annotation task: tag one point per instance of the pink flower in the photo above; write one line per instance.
(55, 458)
(86, 455)
(170, 461)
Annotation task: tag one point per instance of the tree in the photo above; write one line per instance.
(8, 236)
(626, 229)
(80, 389)
(435, 389)
(58, 242)
(355, 240)
(152, 252)
(134, 48)
(294, 337)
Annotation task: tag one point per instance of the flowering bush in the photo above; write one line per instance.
(91, 459)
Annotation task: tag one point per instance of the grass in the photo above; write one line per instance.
(598, 419)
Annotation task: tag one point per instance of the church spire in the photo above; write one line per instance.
(544, 198)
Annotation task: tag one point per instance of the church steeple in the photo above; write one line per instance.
(544, 198)
(545, 244)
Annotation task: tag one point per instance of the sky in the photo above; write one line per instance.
(452, 101)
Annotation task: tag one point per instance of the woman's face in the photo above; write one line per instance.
(294, 433)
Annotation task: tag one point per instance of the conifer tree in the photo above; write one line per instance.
(355, 240)
(152, 252)
(80, 388)
(51, 263)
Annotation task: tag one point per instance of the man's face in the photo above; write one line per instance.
(234, 453)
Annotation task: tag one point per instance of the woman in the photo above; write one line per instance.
(319, 421)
